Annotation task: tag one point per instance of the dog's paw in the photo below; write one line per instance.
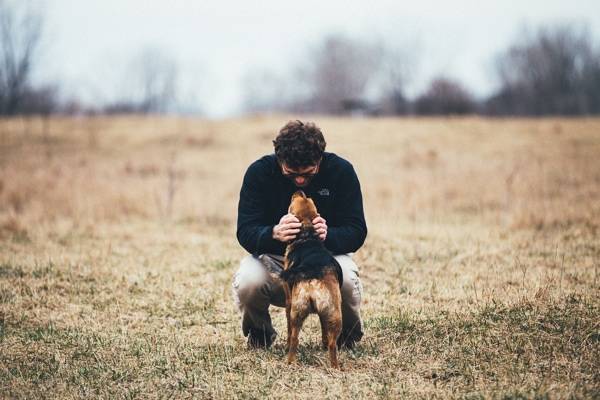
(292, 359)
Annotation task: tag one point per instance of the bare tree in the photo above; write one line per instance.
(157, 80)
(397, 67)
(20, 32)
(338, 72)
(445, 96)
(338, 75)
(150, 84)
(555, 70)
(264, 91)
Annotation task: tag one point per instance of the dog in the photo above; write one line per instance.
(312, 281)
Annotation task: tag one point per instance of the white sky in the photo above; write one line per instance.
(89, 42)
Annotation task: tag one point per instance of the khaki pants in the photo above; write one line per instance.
(256, 285)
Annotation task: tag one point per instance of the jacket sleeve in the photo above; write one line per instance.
(350, 229)
(254, 230)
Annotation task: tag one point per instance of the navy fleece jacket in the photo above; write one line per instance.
(265, 197)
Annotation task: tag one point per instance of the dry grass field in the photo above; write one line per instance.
(117, 247)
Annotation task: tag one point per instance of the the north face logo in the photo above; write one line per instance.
(324, 192)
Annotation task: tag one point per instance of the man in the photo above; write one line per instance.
(264, 227)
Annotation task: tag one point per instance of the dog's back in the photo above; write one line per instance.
(309, 259)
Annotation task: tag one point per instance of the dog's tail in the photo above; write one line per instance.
(313, 305)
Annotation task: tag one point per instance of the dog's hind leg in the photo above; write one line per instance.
(289, 326)
(296, 321)
(324, 331)
(334, 328)
(288, 308)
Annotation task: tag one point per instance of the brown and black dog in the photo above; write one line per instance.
(312, 281)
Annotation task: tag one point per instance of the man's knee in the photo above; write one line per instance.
(351, 287)
(249, 281)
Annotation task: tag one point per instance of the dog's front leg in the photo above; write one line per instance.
(288, 308)
(295, 325)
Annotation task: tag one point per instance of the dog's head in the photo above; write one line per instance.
(303, 208)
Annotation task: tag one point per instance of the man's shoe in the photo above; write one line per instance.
(259, 339)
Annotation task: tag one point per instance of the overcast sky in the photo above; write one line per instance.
(89, 42)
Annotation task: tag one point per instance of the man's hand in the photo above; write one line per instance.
(320, 226)
(287, 229)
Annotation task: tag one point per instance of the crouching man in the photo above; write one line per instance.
(264, 226)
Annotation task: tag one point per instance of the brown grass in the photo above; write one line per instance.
(117, 245)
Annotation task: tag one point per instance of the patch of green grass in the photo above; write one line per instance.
(399, 323)
(219, 265)
(11, 271)
(45, 333)
(525, 395)
(488, 350)
(2, 329)
(6, 295)
(8, 271)
(40, 271)
(21, 237)
(499, 342)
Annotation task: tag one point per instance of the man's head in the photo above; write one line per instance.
(299, 148)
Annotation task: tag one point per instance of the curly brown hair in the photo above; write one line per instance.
(299, 145)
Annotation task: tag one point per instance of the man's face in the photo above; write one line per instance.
(300, 176)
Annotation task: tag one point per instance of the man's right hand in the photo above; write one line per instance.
(287, 229)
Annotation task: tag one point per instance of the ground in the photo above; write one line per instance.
(480, 271)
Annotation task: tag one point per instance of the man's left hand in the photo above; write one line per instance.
(320, 226)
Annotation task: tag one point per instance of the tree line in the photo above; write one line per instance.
(554, 70)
